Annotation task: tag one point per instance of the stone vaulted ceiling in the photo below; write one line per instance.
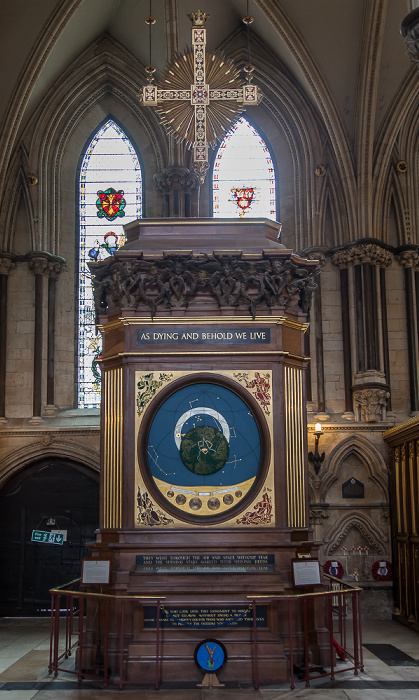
(328, 46)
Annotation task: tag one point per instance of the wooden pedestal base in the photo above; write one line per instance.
(210, 680)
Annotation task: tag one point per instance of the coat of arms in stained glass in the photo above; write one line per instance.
(110, 204)
(243, 175)
(109, 158)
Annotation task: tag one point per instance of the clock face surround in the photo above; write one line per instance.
(203, 448)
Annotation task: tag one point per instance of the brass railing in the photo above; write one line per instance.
(341, 604)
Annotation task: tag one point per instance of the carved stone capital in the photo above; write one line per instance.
(38, 265)
(409, 258)
(317, 515)
(370, 404)
(363, 253)
(6, 264)
(43, 263)
(318, 254)
(410, 31)
(175, 177)
(55, 266)
(230, 280)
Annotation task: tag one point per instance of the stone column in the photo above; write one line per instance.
(55, 266)
(343, 261)
(6, 264)
(176, 183)
(44, 265)
(321, 414)
(370, 386)
(410, 261)
(39, 266)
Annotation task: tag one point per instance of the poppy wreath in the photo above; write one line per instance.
(328, 568)
(380, 573)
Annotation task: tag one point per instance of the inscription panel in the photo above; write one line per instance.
(204, 563)
(202, 617)
(203, 335)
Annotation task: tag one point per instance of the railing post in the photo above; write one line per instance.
(344, 620)
(361, 653)
(292, 684)
(51, 634)
(255, 646)
(306, 659)
(105, 672)
(355, 631)
(81, 626)
(56, 632)
(332, 648)
(67, 635)
(121, 647)
(340, 624)
(156, 684)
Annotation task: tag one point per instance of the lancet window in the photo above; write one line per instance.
(243, 175)
(110, 194)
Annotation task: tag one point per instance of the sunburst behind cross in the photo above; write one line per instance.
(200, 95)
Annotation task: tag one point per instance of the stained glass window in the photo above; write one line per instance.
(110, 195)
(243, 175)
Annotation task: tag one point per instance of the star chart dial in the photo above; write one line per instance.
(203, 451)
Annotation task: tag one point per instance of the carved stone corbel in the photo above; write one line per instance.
(370, 404)
(409, 258)
(410, 31)
(7, 263)
(176, 184)
(360, 253)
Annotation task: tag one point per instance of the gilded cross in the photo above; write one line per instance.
(199, 94)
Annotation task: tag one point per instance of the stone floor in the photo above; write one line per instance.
(24, 653)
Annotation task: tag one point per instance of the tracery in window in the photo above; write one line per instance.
(110, 195)
(243, 175)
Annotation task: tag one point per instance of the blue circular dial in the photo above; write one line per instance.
(204, 448)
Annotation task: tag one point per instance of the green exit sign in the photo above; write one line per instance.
(47, 537)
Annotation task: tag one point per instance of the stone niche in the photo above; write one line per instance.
(204, 454)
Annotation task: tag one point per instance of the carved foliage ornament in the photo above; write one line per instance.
(410, 258)
(370, 404)
(410, 32)
(175, 177)
(175, 280)
(363, 253)
(6, 264)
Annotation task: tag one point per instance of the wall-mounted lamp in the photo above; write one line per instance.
(315, 456)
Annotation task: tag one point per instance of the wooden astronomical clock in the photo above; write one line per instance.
(204, 468)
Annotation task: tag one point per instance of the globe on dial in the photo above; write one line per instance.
(203, 450)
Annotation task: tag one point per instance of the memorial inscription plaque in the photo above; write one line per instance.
(204, 563)
(204, 617)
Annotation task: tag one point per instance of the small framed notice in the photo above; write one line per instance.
(95, 571)
(306, 572)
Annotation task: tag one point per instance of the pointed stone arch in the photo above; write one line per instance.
(367, 454)
(18, 193)
(330, 114)
(50, 446)
(100, 83)
(376, 537)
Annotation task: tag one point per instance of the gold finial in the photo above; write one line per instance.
(198, 19)
(150, 70)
